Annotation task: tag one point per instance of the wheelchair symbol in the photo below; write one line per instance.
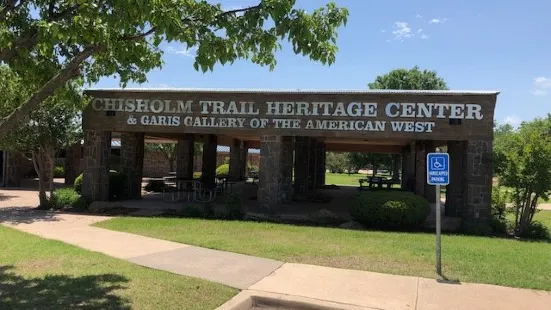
(437, 163)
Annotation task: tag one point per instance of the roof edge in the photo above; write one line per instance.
(295, 91)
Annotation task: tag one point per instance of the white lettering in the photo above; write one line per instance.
(388, 108)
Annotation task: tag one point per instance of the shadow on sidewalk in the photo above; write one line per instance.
(60, 291)
(26, 215)
(445, 280)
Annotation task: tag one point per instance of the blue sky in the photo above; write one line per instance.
(475, 45)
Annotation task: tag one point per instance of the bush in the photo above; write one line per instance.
(390, 209)
(69, 198)
(193, 210)
(234, 207)
(116, 185)
(477, 227)
(536, 230)
(223, 170)
(59, 172)
(155, 186)
(78, 184)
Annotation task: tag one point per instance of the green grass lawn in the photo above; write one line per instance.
(466, 258)
(36, 273)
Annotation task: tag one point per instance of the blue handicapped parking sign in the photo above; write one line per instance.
(438, 168)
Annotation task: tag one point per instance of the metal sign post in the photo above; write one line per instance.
(438, 173)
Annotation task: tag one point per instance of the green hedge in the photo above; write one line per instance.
(390, 209)
(223, 170)
(59, 172)
(69, 198)
(116, 185)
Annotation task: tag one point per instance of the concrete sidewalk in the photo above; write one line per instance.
(351, 289)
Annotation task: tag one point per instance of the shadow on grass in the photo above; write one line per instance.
(60, 291)
(445, 280)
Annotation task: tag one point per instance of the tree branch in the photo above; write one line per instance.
(250, 8)
(71, 70)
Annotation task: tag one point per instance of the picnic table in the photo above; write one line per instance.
(377, 181)
(192, 190)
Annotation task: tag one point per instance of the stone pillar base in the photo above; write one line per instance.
(97, 149)
(276, 158)
(132, 153)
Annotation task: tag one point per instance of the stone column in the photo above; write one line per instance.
(185, 150)
(243, 156)
(275, 186)
(13, 169)
(208, 175)
(132, 152)
(478, 179)
(72, 163)
(455, 191)
(396, 163)
(97, 149)
(408, 168)
(420, 168)
(320, 164)
(235, 160)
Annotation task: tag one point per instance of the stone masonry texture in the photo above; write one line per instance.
(72, 163)
(275, 187)
(320, 163)
(455, 191)
(97, 148)
(478, 179)
(185, 150)
(132, 153)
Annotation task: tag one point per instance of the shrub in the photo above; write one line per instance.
(536, 230)
(234, 207)
(223, 170)
(500, 196)
(78, 184)
(197, 175)
(390, 209)
(193, 210)
(69, 198)
(59, 172)
(477, 227)
(155, 186)
(116, 185)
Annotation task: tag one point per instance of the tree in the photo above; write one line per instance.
(525, 156)
(168, 150)
(337, 162)
(55, 126)
(373, 160)
(48, 43)
(409, 79)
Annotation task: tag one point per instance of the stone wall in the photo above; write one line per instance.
(276, 168)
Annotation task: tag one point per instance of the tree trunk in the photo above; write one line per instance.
(38, 164)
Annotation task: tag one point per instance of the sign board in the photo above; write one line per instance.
(438, 168)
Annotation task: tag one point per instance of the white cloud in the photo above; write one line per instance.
(182, 51)
(437, 20)
(513, 120)
(542, 86)
(402, 30)
(424, 36)
(418, 16)
(419, 30)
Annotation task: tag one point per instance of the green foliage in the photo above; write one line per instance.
(223, 170)
(59, 172)
(69, 198)
(390, 209)
(523, 158)
(193, 210)
(234, 207)
(155, 186)
(372, 160)
(78, 184)
(49, 43)
(337, 162)
(500, 197)
(409, 79)
(536, 230)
